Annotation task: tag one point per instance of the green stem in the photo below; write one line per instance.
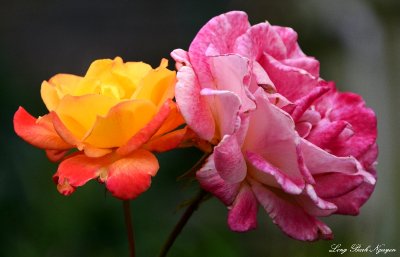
(182, 222)
(129, 229)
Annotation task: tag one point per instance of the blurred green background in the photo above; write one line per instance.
(356, 41)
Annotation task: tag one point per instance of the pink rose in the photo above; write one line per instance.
(284, 138)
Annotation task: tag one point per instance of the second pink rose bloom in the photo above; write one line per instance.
(283, 138)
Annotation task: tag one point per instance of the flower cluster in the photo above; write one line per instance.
(278, 135)
(283, 137)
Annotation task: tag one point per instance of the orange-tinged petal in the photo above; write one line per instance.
(38, 132)
(56, 155)
(147, 132)
(174, 120)
(75, 171)
(130, 176)
(157, 85)
(122, 122)
(65, 134)
(166, 142)
(79, 113)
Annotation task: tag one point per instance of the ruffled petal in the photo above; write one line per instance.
(313, 204)
(268, 174)
(319, 161)
(259, 39)
(130, 176)
(229, 160)
(335, 184)
(351, 108)
(220, 33)
(193, 106)
(289, 216)
(242, 216)
(273, 138)
(351, 202)
(38, 132)
(211, 181)
(292, 82)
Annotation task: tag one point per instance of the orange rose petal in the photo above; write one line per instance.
(65, 134)
(130, 176)
(147, 132)
(56, 155)
(166, 142)
(38, 132)
(122, 122)
(63, 131)
(75, 171)
(174, 120)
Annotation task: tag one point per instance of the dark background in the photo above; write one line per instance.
(356, 41)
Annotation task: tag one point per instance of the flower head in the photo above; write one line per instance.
(114, 116)
(283, 137)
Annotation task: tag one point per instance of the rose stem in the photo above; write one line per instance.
(129, 229)
(182, 222)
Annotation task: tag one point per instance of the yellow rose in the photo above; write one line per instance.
(115, 116)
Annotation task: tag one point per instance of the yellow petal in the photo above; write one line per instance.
(121, 123)
(78, 113)
(65, 83)
(129, 75)
(49, 95)
(157, 85)
(100, 79)
(58, 86)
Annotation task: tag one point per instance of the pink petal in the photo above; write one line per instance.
(225, 106)
(243, 213)
(314, 205)
(229, 73)
(305, 102)
(130, 176)
(260, 39)
(229, 161)
(292, 82)
(289, 216)
(193, 106)
(272, 136)
(220, 33)
(350, 203)
(351, 108)
(324, 134)
(273, 176)
(329, 185)
(181, 58)
(211, 181)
